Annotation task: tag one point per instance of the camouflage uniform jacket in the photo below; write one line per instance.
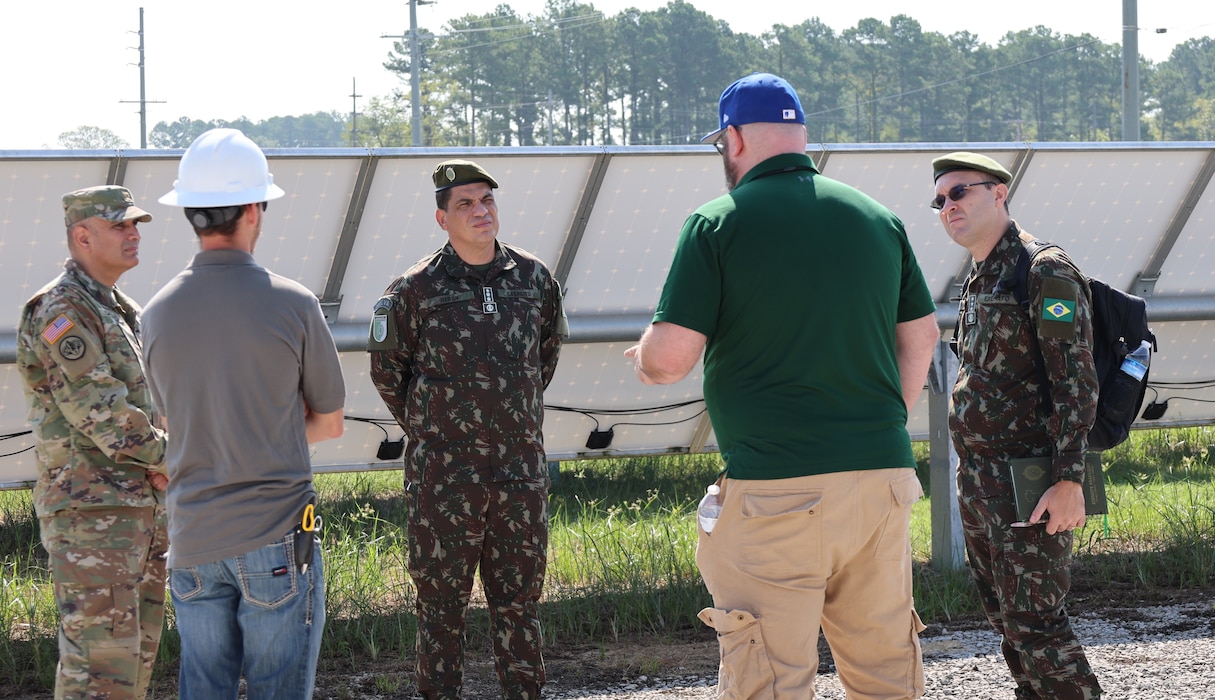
(78, 352)
(997, 411)
(462, 362)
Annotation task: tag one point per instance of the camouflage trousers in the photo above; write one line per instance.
(108, 568)
(454, 529)
(1023, 578)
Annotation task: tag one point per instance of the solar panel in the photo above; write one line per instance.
(606, 220)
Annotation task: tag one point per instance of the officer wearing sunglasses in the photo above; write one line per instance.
(1003, 408)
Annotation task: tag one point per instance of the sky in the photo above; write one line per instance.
(73, 63)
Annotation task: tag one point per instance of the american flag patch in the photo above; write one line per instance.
(58, 327)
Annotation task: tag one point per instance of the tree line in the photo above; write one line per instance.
(574, 76)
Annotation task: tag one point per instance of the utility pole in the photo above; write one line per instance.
(415, 70)
(354, 113)
(1130, 71)
(143, 100)
(549, 105)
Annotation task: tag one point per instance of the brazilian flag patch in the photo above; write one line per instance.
(1063, 310)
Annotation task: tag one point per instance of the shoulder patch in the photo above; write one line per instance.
(383, 334)
(1058, 309)
(1057, 316)
(55, 330)
(77, 356)
(72, 348)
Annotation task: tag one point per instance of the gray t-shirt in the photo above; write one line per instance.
(233, 351)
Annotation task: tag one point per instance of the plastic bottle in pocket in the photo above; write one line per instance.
(709, 508)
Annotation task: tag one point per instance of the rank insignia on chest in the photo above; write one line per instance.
(972, 309)
(488, 305)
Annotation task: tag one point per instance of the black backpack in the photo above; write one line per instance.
(1119, 327)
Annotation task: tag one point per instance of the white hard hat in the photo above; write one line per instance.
(222, 168)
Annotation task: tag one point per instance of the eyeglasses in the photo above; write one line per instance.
(720, 142)
(955, 194)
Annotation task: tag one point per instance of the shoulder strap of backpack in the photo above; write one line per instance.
(1029, 253)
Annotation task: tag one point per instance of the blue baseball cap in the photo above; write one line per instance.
(759, 97)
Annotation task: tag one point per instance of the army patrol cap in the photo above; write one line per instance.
(965, 160)
(109, 202)
(450, 173)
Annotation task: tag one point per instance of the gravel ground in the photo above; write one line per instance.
(1140, 653)
(1144, 646)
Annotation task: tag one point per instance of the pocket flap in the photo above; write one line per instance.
(907, 490)
(757, 504)
(726, 621)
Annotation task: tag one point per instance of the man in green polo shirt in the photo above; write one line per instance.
(817, 330)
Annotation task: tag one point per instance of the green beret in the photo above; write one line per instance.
(965, 160)
(110, 202)
(450, 173)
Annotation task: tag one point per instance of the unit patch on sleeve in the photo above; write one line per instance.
(77, 354)
(71, 348)
(383, 334)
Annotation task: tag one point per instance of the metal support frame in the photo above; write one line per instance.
(117, 171)
(948, 546)
(627, 328)
(700, 437)
(1145, 285)
(821, 159)
(331, 300)
(573, 239)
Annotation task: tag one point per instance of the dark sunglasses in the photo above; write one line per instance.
(955, 194)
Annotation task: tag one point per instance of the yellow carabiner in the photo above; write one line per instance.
(308, 523)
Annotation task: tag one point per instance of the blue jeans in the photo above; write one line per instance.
(254, 613)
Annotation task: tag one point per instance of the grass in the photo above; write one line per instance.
(621, 554)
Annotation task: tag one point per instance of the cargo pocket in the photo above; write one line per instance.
(895, 542)
(917, 659)
(89, 613)
(100, 636)
(745, 670)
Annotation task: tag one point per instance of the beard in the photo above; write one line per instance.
(732, 174)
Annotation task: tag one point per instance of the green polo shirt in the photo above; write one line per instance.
(798, 282)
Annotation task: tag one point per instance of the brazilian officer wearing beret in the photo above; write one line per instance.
(462, 347)
(997, 415)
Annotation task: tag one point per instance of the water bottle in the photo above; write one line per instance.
(709, 508)
(1136, 363)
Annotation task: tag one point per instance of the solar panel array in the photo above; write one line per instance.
(605, 220)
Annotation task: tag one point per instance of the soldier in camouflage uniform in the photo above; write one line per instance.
(462, 346)
(999, 412)
(100, 454)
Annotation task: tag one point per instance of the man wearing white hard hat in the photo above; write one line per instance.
(242, 363)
